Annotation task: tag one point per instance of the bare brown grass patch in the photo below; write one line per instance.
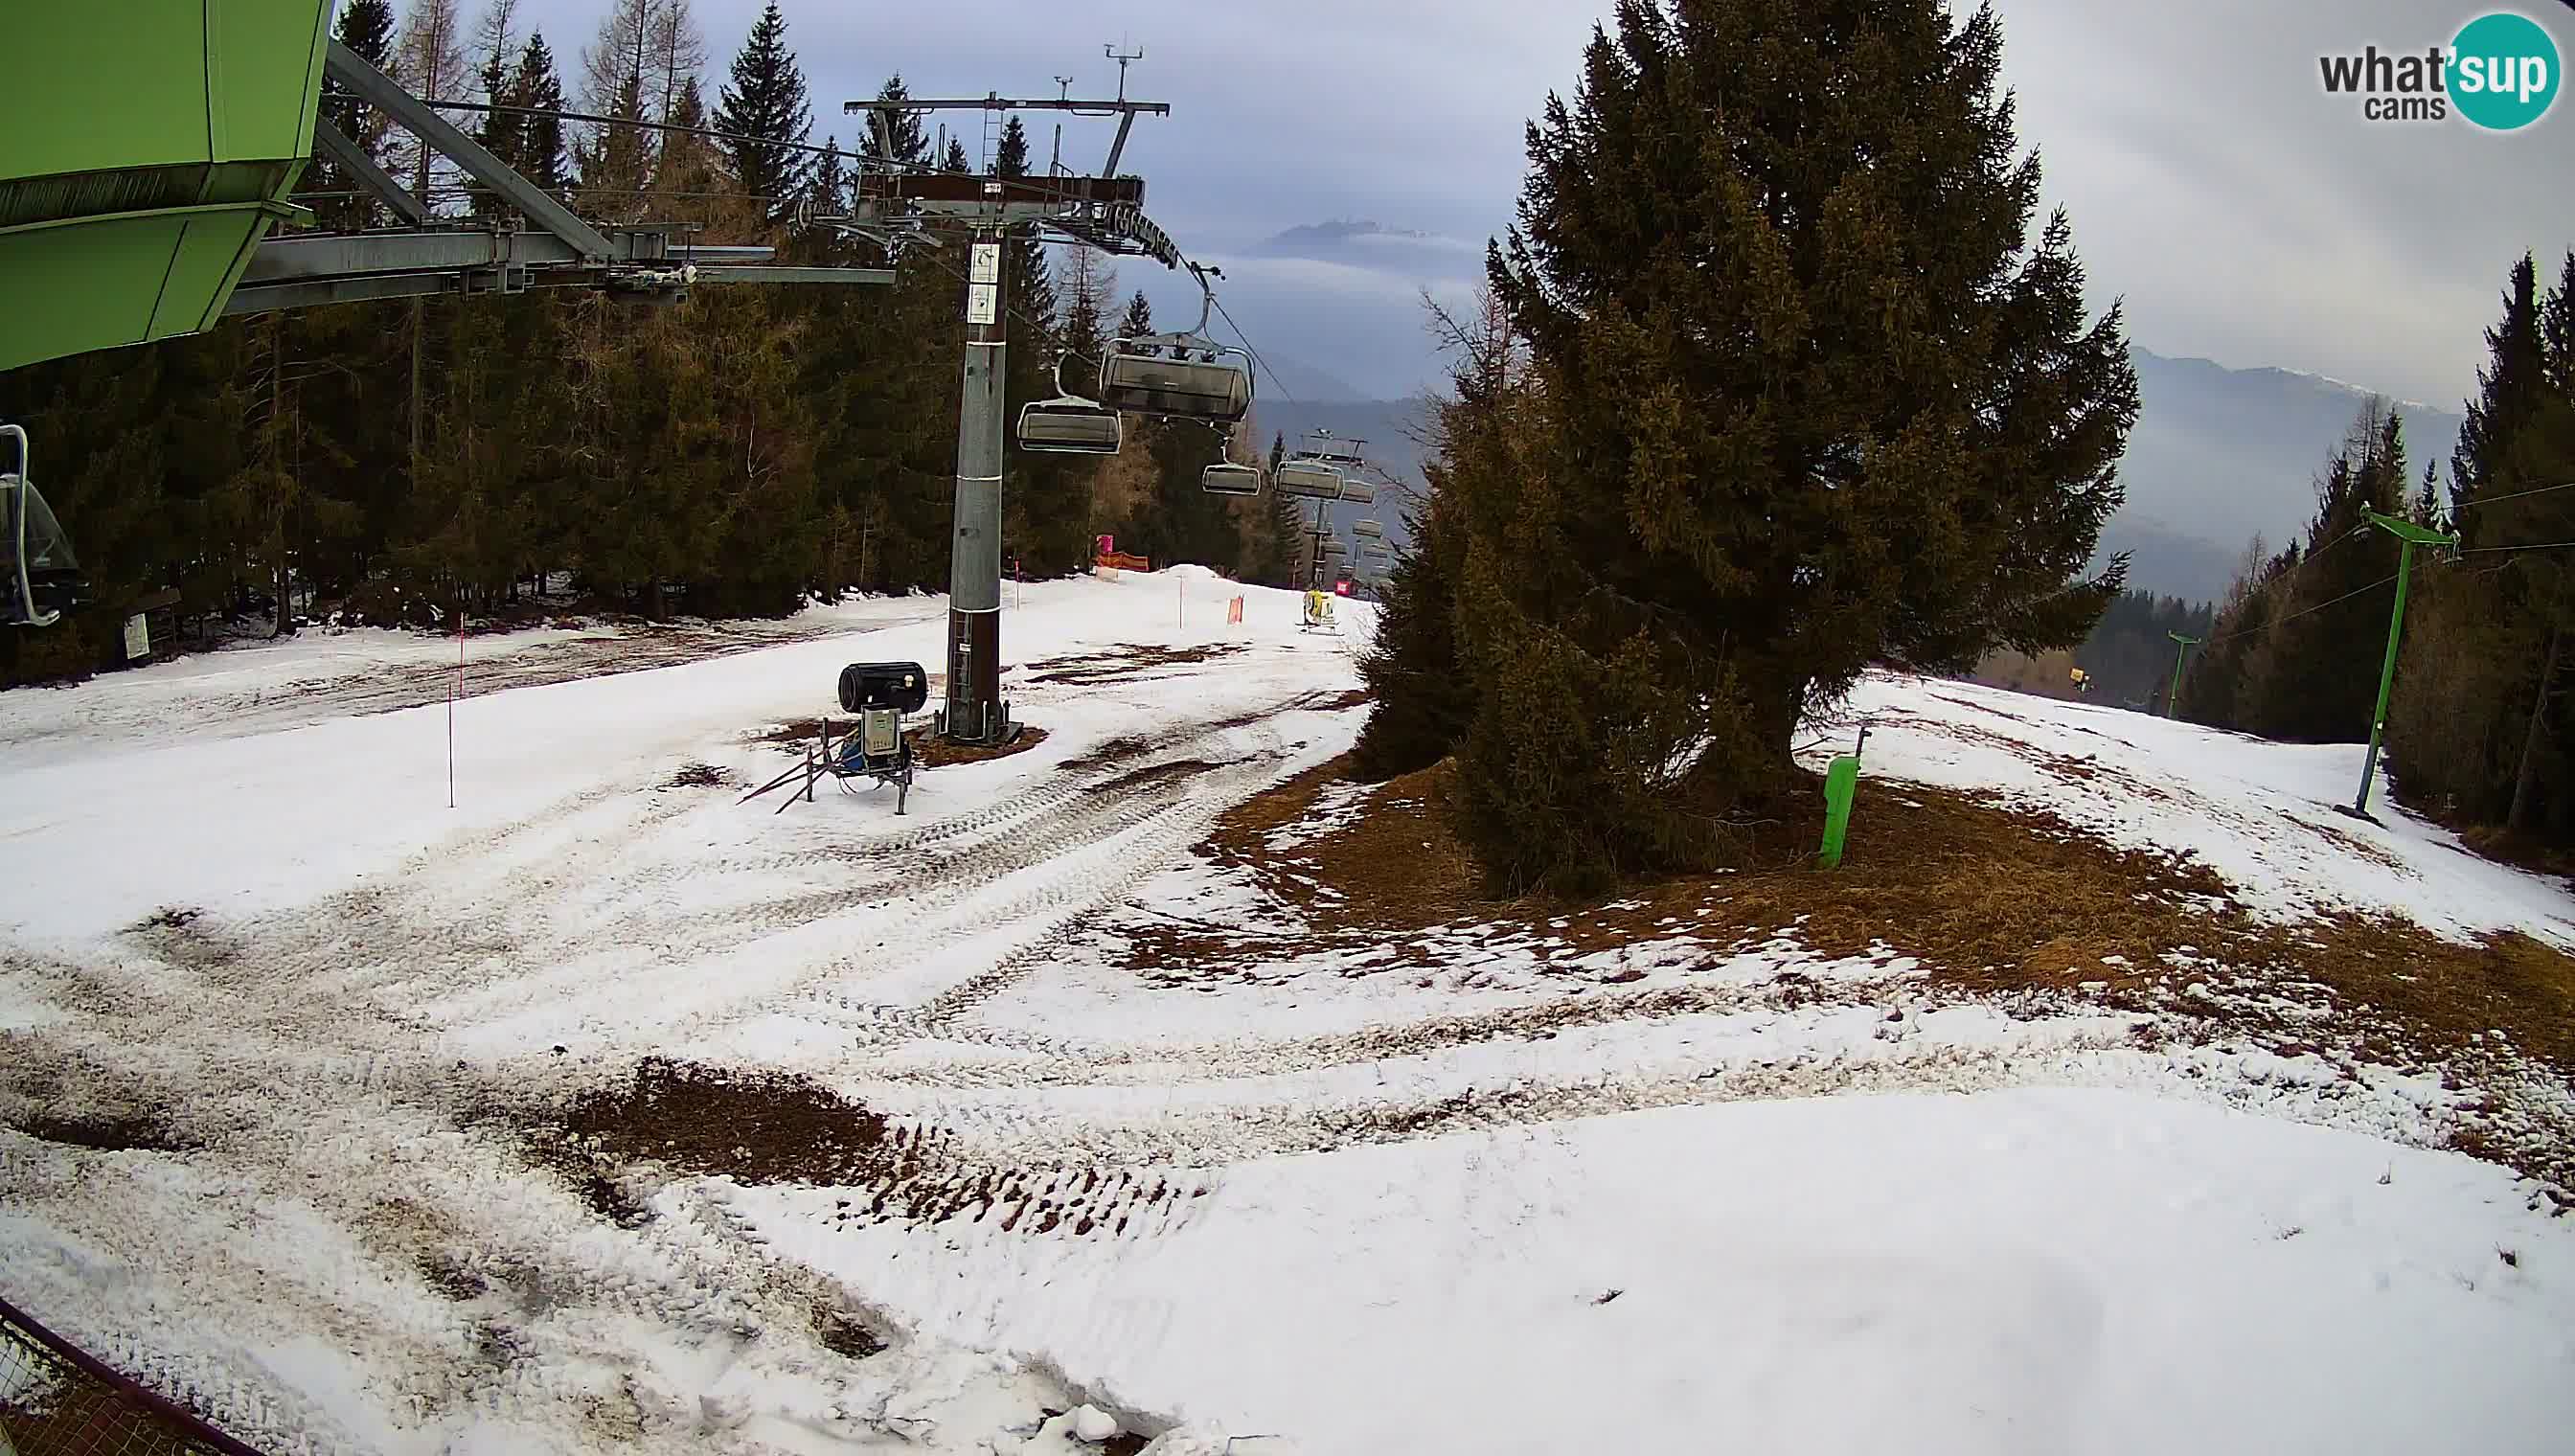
(933, 752)
(1989, 899)
(1122, 660)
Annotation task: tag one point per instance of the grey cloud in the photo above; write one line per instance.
(2242, 214)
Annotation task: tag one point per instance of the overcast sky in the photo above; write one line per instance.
(2243, 215)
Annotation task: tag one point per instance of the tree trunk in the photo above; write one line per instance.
(2519, 816)
(1774, 709)
(415, 385)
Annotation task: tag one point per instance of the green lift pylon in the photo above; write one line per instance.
(2411, 536)
(2172, 701)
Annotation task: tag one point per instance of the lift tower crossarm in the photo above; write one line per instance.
(379, 90)
(882, 111)
(998, 102)
(370, 176)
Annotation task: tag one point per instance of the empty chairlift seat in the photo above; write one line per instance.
(1367, 529)
(1070, 425)
(1311, 478)
(1355, 489)
(1231, 479)
(1175, 380)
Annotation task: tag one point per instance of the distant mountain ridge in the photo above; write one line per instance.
(2218, 455)
(1307, 240)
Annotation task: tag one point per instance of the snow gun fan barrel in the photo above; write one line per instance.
(900, 686)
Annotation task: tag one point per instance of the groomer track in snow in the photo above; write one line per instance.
(1155, 1068)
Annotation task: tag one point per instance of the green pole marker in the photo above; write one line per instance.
(1841, 781)
(2173, 699)
(2412, 536)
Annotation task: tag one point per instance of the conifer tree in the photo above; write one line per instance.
(688, 174)
(1139, 318)
(2507, 386)
(2312, 676)
(904, 143)
(2482, 730)
(366, 27)
(541, 158)
(766, 108)
(1806, 392)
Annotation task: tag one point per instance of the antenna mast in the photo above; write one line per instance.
(1122, 58)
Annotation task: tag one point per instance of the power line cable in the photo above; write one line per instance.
(860, 156)
(2477, 501)
(1246, 341)
(2527, 546)
(2304, 611)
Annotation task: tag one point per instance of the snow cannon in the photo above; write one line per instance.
(899, 687)
(880, 694)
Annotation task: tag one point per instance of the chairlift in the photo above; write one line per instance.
(1312, 479)
(1185, 376)
(1354, 487)
(1368, 529)
(1230, 480)
(43, 579)
(1375, 550)
(1069, 424)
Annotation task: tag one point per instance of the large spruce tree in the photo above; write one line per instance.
(1806, 392)
(2507, 389)
(541, 158)
(764, 109)
(2312, 674)
(2482, 730)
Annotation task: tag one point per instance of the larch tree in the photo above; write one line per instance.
(616, 159)
(502, 132)
(429, 59)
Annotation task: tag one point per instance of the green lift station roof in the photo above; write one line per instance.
(151, 146)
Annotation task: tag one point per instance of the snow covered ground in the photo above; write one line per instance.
(2262, 815)
(1506, 1197)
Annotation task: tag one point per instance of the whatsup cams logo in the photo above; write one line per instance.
(2500, 72)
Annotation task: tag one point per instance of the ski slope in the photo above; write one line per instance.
(1509, 1195)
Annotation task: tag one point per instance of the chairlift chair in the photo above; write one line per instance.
(1185, 376)
(1230, 480)
(1311, 478)
(1069, 424)
(1353, 488)
(43, 579)
(1368, 529)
